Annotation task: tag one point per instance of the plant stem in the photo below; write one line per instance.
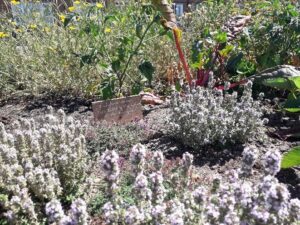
(182, 58)
(123, 75)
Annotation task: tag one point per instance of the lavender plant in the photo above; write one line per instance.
(77, 214)
(41, 160)
(208, 116)
(234, 199)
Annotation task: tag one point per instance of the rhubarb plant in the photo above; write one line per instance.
(169, 22)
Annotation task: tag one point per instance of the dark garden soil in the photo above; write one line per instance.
(30, 106)
(211, 161)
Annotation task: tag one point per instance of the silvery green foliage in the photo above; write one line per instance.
(234, 200)
(205, 116)
(40, 160)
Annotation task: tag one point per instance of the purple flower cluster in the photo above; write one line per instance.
(236, 200)
(40, 160)
(77, 214)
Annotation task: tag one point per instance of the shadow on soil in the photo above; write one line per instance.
(207, 155)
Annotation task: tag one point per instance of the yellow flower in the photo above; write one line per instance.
(72, 28)
(62, 18)
(77, 2)
(107, 30)
(71, 8)
(14, 2)
(3, 35)
(99, 5)
(33, 26)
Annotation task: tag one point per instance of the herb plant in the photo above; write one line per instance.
(237, 200)
(210, 116)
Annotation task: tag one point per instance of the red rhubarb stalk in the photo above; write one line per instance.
(182, 57)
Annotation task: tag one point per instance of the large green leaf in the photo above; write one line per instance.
(293, 110)
(68, 19)
(292, 104)
(295, 81)
(107, 87)
(221, 37)
(233, 62)
(246, 67)
(279, 82)
(177, 86)
(147, 69)
(139, 30)
(116, 65)
(111, 18)
(292, 158)
(136, 88)
(282, 77)
(225, 51)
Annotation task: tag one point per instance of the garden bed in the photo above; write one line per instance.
(213, 160)
(220, 145)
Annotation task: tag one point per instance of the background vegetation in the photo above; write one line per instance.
(108, 52)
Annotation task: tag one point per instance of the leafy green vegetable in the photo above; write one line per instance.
(225, 51)
(221, 37)
(246, 67)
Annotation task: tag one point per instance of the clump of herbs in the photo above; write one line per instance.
(114, 136)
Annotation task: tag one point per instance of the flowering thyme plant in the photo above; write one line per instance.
(208, 116)
(41, 160)
(231, 200)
